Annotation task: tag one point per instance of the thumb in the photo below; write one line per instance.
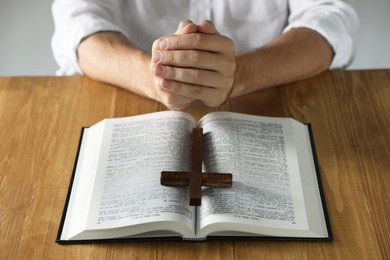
(186, 26)
(207, 27)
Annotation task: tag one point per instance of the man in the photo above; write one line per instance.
(249, 45)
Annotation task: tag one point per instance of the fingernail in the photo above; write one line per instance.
(183, 23)
(156, 56)
(158, 71)
(165, 84)
(164, 44)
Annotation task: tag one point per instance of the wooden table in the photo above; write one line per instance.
(40, 122)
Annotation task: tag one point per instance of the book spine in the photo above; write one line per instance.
(194, 238)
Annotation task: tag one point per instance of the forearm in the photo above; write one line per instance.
(109, 57)
(295, 55)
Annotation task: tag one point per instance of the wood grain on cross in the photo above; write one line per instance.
(195, 179)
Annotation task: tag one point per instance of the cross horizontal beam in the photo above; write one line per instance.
(209, 179)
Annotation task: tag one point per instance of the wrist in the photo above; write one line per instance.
(249, 74)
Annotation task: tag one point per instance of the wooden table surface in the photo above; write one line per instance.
(40, 123)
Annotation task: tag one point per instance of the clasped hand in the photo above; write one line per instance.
(196, 63)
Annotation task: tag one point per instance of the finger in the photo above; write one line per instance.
(156, 45)
(169, 99)
(197, 41)
(172, 100)
(210, 96)
(207, 78)
(192, 59)
(176, 107)
(208, 27)
(184, 27)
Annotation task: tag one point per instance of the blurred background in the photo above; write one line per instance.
(26, 28)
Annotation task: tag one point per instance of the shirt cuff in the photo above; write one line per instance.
(82, 29)
(332, 28)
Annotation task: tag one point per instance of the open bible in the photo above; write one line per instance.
(115, 192)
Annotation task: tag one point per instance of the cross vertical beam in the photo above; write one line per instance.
(195, 184)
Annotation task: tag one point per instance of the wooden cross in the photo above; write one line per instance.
(196, 179)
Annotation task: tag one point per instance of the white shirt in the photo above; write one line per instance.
(249, 23)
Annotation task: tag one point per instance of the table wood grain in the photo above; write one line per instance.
(40, 124)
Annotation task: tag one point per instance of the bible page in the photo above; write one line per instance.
(127, 196)
(267, 196)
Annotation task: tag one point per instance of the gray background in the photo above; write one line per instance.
(26, 27)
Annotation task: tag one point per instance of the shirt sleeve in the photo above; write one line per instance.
(335, 20)
(75, 20)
